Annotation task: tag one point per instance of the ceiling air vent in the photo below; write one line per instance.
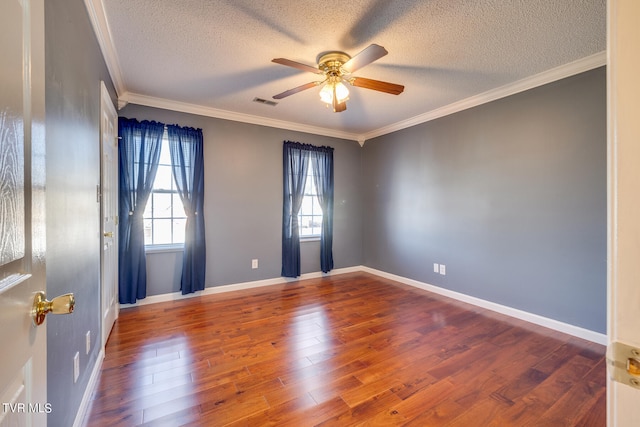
(265, 102)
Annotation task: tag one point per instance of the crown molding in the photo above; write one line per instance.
(98, 19)
(576, 67)
(100, 25)
(150, 101)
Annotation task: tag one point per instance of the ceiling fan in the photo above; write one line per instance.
(336, 67)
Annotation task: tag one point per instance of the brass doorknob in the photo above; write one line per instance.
(108, 234)
(62, 304)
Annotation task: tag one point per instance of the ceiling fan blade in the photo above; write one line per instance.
(298, 65)
(371, 53)
(296, 90)
(378, 85)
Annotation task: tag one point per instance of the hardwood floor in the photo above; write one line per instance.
(344, 350)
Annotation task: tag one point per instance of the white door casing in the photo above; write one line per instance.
(109, 212)
(623, 153)
(23, 371)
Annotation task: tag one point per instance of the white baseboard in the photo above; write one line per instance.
(556, 325)
(237, 287)
(88, 392)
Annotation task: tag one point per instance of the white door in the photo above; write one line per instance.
(23, 370)
(109, 211)
(623, 396)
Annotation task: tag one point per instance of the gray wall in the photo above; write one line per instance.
(510, 196)
(243, 201)
(74, 68)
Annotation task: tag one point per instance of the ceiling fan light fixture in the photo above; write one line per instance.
(327, 91)
(342, 92)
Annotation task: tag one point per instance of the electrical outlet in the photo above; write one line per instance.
(76, 367)
(436, 267)
(443, 269)
(254, 264)
(88, 342)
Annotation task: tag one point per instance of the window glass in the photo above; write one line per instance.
(164, 216)
(164, 179)
(310, 215)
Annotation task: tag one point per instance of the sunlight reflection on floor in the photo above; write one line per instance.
(309, 324)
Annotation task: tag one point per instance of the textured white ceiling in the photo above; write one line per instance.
(217, 54)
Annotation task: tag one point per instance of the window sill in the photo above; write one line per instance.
(310, 239)
(157, 249)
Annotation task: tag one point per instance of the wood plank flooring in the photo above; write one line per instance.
(345, 350)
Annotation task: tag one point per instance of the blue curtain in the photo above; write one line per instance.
(295, 158)
(188, 171)
(138, 156)
(322, 158)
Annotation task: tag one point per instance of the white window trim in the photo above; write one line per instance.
(156, 249)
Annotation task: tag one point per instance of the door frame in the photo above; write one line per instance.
(106, 103)
(623, 200)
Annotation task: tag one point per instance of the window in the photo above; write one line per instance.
(310, 215)
(312, 205)
(164, 216)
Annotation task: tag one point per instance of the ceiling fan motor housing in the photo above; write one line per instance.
(331, 63)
